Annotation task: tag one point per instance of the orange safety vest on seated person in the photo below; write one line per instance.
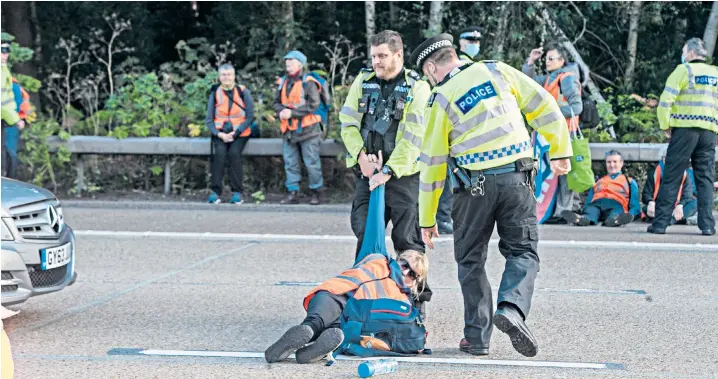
(235, 115)
(554, 88)
(657, 184)
(25, 106)
(618, 189)
(368, 279)
(295, 99)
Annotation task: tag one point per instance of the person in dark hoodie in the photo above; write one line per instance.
(563, 82)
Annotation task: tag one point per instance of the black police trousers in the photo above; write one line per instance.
(509, 203)
(221, 153)
(401, 208)
(688, 146)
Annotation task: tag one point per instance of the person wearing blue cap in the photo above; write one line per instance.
(298, 98)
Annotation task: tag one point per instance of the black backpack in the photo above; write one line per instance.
(589, 117)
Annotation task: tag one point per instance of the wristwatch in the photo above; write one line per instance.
(386, 170)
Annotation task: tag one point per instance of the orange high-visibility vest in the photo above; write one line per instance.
(25, 106)
(368, 279)
(554, 88)
(618, 189)
(295, 99)
(657, 184)
(235, 115)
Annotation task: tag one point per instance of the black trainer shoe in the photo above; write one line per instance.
(622, 219)
(327, 342)
(708, 232)
(466, 347)
(293, 339)
(509, 321)
(656, 230)
(574, 218)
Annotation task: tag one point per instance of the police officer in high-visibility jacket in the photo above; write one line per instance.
(469, 44)
(382, 121)
(11, 121)
(688, 112)
(474, 124)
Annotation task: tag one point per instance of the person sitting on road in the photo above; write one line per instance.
(686, 205)
(613, 199)
(341, 302)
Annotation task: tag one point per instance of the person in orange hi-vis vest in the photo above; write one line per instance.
(230, 113)
(298, 98)
(613, 199)
(563, 83)
(686, 205)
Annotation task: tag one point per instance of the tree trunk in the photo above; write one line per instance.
(288, 20)
(558, 32)
(632, 45)
(711, 32)
(435, 16)
(370, 16)
(501, 31)
(17, 23)
(393, 16)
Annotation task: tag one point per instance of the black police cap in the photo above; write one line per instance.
(475, 32)
(428, 47)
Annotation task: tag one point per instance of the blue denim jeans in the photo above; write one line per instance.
(309, 152)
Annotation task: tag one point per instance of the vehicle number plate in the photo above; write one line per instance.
(55, 257)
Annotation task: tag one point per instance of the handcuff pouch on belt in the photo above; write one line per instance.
(473, 180)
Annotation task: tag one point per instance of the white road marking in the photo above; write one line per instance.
(614, 246)
(453, 361)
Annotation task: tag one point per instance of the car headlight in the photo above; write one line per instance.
(6, 235)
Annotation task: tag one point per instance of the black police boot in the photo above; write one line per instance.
(292, 198)
(508, 320)
(656, 230)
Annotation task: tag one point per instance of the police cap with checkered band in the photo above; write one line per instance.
(471, 33)
(428, 47)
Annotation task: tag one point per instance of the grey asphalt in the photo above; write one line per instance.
(651, 312)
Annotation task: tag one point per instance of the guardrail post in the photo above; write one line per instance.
(80, 173)
(168, 175)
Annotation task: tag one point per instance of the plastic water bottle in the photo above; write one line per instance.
(383, 366)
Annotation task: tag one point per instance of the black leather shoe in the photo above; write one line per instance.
(445, 227)
(315, 198)
(655, 230)
(574, 218)
(708, 232)
(508, 320)
(622, 219)
(466, 347)
(292, 198)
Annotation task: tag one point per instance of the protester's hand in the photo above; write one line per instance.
(225, 137)
(535, 54)
(21, 124)
(678, 212)
(561, 166)
(285, 114)
(368, 164)
(428, 233)
(651, 209)
(377, 180)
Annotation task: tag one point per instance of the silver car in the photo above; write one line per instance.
(38, 248)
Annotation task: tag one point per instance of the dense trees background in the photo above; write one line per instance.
(144, 68)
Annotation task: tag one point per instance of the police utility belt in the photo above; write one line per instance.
(462, 179)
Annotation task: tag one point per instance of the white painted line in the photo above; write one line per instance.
(454, 361)
(612, 245)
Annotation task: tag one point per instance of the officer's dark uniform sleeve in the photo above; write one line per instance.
(311, 100)
(209, 121)
(248, 112)
(648, 188)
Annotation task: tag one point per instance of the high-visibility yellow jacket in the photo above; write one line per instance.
(475, 116)
(9, 111)
(690, 98)
(403, 160)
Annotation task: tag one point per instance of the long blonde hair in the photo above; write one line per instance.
(420, 265)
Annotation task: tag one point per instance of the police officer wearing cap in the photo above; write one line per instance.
(474, 125)
(469, 44)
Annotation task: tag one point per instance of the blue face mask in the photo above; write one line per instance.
(472, 49)
(683, 60)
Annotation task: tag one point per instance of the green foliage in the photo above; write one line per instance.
(42, 164)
